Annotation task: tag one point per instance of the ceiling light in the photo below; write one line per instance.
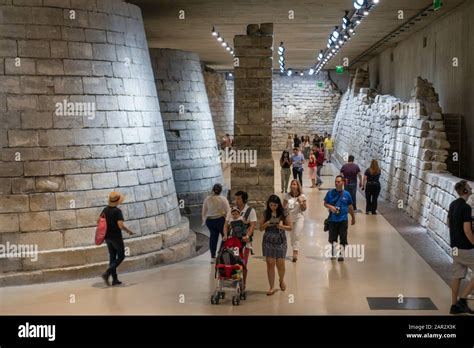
(366, 12)
(311, 71)
(224, 44)
(231, 51)
(375, 1)
(219, 38)
(358, 20)
(321, 55)
(289, 72)
(228, 48)
(351, 30)
(301, 74)
(214, 32)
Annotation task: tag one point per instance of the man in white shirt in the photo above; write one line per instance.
(250, 219)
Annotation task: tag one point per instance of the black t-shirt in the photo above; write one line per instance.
(113, 215)
(372, 178)
(297, 142)
(459, 213)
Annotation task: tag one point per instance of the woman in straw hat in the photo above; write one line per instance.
(114, 238)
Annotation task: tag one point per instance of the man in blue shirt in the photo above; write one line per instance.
(339, 203)
(297, 161)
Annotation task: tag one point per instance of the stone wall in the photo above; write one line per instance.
(57, 168)
(302, 105)
(220, 92)
(188, 125)
(409, 141)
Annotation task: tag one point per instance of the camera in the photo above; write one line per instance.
(338, 210)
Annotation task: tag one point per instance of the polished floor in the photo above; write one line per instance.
(389, 267)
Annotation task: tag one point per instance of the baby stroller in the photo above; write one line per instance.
(229, 272)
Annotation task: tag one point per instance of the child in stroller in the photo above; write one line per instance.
(231, 262)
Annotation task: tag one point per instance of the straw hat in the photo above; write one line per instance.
(115, 198)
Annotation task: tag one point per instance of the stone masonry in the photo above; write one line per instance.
(188, 125)
(253, 111)
(220, 92)
(57, 167)
(409, 141)
(302, 105)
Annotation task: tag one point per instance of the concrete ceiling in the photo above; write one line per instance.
(303, 36)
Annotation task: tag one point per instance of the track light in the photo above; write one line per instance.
(321, 55)
(366, 12)
(227, 48)
(335, 34)
(358, 4)
(224, 44)
(290, 72)
(345, 21)
(219, 38)
(358, 20)
(214, 32)
(311, 71)
(376, 1)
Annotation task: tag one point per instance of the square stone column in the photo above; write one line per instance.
(253, 112)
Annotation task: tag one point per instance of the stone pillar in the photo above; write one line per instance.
(58, 164)
(253, 111)
(188, 125)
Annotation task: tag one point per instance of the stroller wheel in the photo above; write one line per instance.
(222, 294)
(243, 295)
(235, 301)
(214, 299)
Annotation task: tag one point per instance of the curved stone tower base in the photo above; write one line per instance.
(188, 126)
(173, 245)
(58, 164)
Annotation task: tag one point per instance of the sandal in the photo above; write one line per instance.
(270, 292)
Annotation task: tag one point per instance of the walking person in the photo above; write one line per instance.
(312, 169)
(250, 221)
(289, 143)
(285, 164)
(297, 161)
(296, 141)
(372, 187)
(113, 237)
(295, 203)
(462, 243)
(306, 147)
(351, 172)
(339, 203)
(275, 221)
(214, 211)
(329, 146)
(319, 165)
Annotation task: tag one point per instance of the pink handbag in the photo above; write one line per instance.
(101, 230)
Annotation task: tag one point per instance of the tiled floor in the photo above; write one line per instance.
(315, 284)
